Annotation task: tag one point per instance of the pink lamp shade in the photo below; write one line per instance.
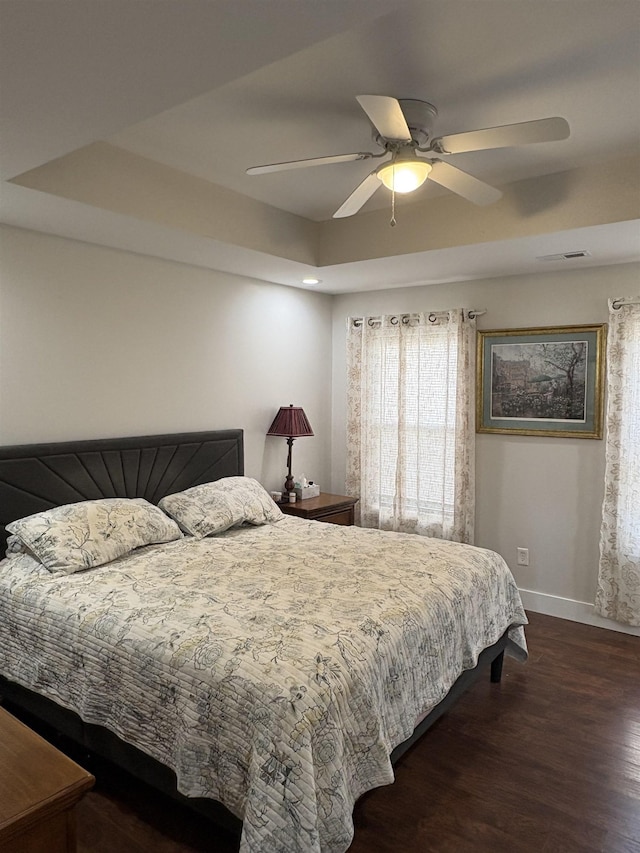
(290, 422)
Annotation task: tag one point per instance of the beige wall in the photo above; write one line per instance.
(544, 494)
(96, 342)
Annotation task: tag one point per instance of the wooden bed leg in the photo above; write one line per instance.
(496, 668)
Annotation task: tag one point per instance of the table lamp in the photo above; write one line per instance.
(290, 422)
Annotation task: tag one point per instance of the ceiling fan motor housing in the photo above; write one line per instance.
(420, 117)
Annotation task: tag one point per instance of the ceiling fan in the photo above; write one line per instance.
(403, 128)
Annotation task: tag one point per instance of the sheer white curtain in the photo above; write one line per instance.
(410, 422)
(618, 595)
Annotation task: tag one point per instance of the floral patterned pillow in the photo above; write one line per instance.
(15, 545)
(78, 536)
(214, 507)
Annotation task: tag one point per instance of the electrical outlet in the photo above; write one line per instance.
(523, 556)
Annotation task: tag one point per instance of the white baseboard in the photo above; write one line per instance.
(568, 608)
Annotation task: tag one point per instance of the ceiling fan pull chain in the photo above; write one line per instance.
(393, 199)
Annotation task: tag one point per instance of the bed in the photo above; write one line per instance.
(278, 667)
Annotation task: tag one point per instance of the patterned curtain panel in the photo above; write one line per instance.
(618, 595)
(410, 422)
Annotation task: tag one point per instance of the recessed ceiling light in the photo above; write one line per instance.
(311, 280)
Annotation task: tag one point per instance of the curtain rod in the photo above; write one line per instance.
(470, 314)
(617, 304)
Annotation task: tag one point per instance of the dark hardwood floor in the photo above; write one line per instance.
(548, 761)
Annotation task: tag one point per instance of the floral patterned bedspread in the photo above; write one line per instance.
(274, 668)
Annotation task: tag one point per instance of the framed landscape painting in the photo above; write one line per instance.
(546, 381)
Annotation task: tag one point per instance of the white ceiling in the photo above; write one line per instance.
(211, 88)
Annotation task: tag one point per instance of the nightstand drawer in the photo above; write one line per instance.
(343, 516)
(334, 509)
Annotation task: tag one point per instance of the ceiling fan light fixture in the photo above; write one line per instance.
(404, 176)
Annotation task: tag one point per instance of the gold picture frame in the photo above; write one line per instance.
(541, 381)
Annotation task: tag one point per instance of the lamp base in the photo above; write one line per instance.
(289, 484)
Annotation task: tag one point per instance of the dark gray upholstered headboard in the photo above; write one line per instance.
(36, 477)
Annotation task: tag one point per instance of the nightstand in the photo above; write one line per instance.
(39, 787)
(336, 509)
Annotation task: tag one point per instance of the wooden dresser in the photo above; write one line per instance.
(336, 509)
(39, 787)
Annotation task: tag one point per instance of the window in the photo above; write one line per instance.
(410, 430)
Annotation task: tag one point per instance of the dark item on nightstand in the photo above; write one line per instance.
(290, 422)
(336, 509)
(39, 787)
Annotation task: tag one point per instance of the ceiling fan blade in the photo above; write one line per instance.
(386, 116)
(523, 133)
(359, 196)
(463, 184)
(313, 161)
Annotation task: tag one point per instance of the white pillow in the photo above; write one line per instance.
(214, 507)
(78, 536)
